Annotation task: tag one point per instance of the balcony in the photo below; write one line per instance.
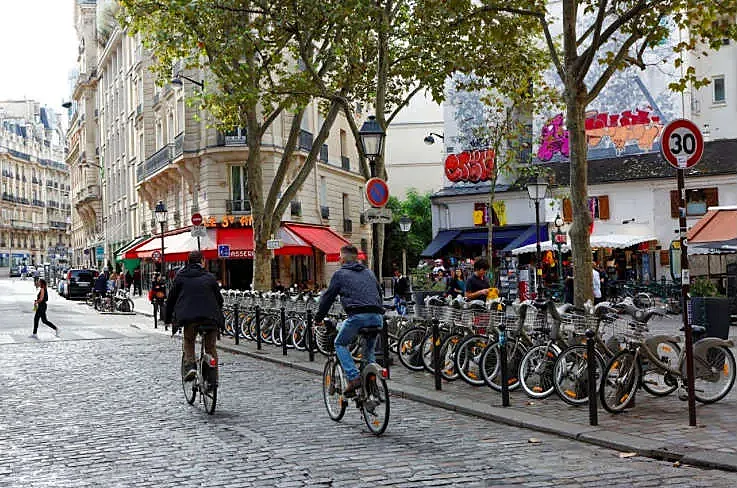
(37, 203)
(235, 137)
(154, 163)
(305, 140)
(345, 163)
(237, 206)
(347, 226)
(324, 153)
(178, 145)
(58, 225)
(90, 194)
(22, 200)
(7, 197)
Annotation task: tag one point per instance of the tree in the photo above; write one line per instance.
(615, 34)
(417, 207)
(250, 50)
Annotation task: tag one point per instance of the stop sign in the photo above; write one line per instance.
(196, 219)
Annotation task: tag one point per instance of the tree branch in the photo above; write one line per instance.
(611, 68)
(286, 160)
(357, 139)
(638, 9)
(403, 104)
(588, 56)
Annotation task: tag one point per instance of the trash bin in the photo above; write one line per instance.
(712, 313)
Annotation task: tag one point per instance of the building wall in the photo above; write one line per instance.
(716, 119)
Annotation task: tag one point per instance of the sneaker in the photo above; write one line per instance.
(189, 371)
(33, 336)
(350, 389)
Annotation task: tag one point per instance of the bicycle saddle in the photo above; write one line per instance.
(369, 331)
(696, 330)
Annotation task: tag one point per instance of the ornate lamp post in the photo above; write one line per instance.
(537, 189)
(372, 141)
(559, 237)
(161, 214)
(405, 224)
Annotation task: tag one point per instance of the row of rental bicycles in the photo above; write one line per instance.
(545, 345)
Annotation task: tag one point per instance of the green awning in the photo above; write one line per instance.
(120, 253)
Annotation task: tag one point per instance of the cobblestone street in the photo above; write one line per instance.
(110, 412)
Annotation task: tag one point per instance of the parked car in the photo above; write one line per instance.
(79, 282)
(61, 287)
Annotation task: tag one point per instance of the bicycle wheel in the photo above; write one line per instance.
(468, 359)
(209, 395)
(643, 300)
(428, 358)
(410, 348)
(714, 374)
(190, 390)
(332, 389)
(298, 336)
(447, 356)
(620, 381)
(655, 381)
(571, 375)
(491, 367)
(536, 371)
(375, 408)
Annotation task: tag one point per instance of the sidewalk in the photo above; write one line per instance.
(656, 427)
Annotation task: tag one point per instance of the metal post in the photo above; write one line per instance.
(538, 254)
(283, 332)
(162, 250)
(560, 263)
(198, 243)
(385, 347)
(685, 286)
(436, 352)
(258, 327)
(308, 339)
(591, 367)
(503, 364)
(236, 323)
(404, 261)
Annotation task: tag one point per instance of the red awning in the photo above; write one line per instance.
(323, 238)
(178, 244)
(241, 243)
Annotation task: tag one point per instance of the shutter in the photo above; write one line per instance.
(712, 197)
(674, 203)
(567, 210)
(603, 207)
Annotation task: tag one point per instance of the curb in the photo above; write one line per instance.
(703, 458)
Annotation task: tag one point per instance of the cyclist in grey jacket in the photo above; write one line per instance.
(360, 296)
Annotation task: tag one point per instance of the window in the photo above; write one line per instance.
(239, 189)
(343, 144)
(697, 201)
(720, 95)
(599, 207)
(346, 207)
(323, 191)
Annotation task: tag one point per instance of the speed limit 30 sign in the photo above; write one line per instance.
(682, 144)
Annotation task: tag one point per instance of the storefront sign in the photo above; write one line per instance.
(471, 166)
(229, 221)
(481, 213)
(242, 254)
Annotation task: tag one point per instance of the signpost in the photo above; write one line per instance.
(682, 146)
(198, 230)
(377, 192)
(273, 244)
(378, 216)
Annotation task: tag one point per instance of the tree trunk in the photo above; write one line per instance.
(579, 232)
(261, 264)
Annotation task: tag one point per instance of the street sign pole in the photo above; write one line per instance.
(682, 145)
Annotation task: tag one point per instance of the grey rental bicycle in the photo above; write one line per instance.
(372, 399)
(206, 381)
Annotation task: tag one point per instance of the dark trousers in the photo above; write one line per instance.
(41, 315)
(137, 288)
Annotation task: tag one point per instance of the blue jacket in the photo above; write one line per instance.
(358, 289)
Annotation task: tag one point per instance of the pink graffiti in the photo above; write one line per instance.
(639, 127)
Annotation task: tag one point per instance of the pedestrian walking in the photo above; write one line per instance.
(40, 306)
(137, 282)
(596, 285)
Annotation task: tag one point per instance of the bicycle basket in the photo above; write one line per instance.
(325, 338)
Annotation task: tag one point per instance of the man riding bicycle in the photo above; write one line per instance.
(195, 300)
(360, 296)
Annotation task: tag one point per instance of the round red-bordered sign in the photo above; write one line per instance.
(196, 219)
(682, 144)
(377, 192)
(156, 256)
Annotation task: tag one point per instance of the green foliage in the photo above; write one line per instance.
(703, 287)
(417, 207)
(421, 278)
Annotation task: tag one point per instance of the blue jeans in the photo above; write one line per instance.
(348, 330)
(400, 304)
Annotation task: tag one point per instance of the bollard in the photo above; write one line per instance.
(436, 352)
(258, 327)
(503, 364)
(385, 347)
(309, 337)
(283, 332)
(591, 367)
(236, 324)
(156, 314)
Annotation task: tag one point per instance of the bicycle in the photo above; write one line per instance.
(714, 364)
(372, 399)
(206, 382)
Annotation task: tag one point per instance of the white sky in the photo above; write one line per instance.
(37, 50)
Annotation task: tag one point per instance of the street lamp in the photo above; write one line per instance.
(161, 213)
(372, 141)
(405, 224)
(559, 238)
(177, 81)
(430, 140)
(536, 189)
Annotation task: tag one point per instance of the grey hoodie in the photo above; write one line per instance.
(358, 289)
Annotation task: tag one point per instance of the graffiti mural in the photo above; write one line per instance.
(640, 128)
(470, 166)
